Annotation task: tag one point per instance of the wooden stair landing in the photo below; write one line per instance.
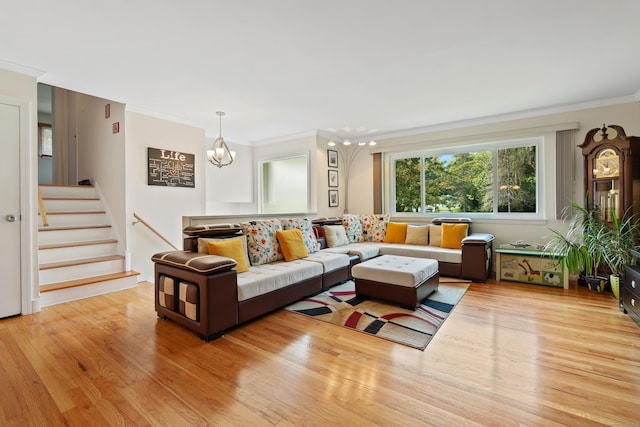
(86, 281)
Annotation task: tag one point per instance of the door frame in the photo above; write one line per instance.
(28, 180)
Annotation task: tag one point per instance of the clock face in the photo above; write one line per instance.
(607, 164)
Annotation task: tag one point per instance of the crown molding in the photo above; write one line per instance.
(22, 69)
(524, 114)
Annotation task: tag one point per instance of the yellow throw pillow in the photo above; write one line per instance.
(231, 248)
(396, 232)
(417, 235)
(292, 244)
(452, 235)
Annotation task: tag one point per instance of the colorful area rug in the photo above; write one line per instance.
(415, 328)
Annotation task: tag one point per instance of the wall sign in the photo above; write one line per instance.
(170, 168)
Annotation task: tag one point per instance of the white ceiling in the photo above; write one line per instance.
(284, 67)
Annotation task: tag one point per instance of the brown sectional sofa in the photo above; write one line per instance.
(206, 294)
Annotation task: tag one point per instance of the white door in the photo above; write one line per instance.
(10, 210)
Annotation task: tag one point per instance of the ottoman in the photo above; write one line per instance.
(399, 279)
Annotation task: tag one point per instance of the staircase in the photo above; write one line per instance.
(78, 249)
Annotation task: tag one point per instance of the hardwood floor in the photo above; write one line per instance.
(510, 354)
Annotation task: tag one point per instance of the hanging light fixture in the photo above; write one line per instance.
(219, 154)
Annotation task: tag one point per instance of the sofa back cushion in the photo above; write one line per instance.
(262, 242)
(335, 236)
(292, 244)
(435, 235)
(417, 235)
(352, 227)
(306, 229)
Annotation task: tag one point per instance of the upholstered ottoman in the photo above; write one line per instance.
(399, 279)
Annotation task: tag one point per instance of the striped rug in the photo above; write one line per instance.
(414, 328)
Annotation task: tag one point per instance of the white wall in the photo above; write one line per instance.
(161, 207)
(626, 115)
(360, 181)
(101, 156)
(304, 144)
(230, 189)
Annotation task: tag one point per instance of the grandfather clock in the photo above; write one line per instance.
(612, 171)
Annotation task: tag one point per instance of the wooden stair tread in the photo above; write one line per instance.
(75, 213)
(75, 244)
(72, 227)
(70, 263)
(86, 281)
(71, 198)
(66, 185)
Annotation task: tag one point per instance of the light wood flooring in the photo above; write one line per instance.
(510, 354)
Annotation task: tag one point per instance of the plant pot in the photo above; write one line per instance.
(596, 283)
(614, 280)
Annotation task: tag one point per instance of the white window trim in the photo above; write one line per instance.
(537, 141)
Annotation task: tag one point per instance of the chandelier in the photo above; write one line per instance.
(219, 154)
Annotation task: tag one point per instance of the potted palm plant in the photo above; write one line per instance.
(581, 247)
(619, 239)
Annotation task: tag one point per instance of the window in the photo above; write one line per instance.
(285, 185)
(489, 179)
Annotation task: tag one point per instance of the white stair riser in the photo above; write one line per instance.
(74, 219)
(46, 256)
(79, 292)
(49, 237)
(66, 205)
(61, 191)
(55, 275)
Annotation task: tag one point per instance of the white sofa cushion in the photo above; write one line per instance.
(363, 250)
(396, 270)
(330, 261)
(265, 278)
(453, 256)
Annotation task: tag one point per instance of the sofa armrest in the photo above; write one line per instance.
(478, 239)
(193, 261)
(477, 256)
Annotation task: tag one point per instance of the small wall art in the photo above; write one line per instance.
(333, 198)
(333, 178)
(332, 157)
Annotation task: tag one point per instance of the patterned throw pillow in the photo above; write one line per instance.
(374, 227)
(306, 228)
(353, 227)
(262, 242)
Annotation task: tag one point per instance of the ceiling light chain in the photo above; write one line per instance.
(219, 154)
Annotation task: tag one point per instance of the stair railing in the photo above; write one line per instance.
(43, 211)
(146, 224)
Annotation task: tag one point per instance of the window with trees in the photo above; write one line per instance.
(498, 178)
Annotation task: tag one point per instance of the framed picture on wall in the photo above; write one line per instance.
(333, 178)
(332, 157)
(333, 198)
